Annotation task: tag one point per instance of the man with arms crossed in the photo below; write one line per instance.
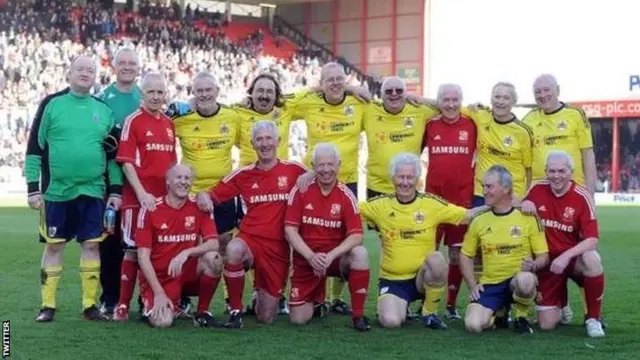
(265, 188)
(324, 228)
(506, 239)
(146, 151)
(411, 267)
(65, 167)
(170, 258)
(568, 214)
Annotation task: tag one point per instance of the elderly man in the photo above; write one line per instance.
(65, 167)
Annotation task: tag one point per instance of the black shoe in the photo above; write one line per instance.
(251, 310)
(46, 314)
(501, 322)
(320, 310)
(92, 313)
(523, 326)
(361, 323)
(205, 319)
(235, 320)
(340, 307)
(107, 310)
(140, 305)
(283, 308)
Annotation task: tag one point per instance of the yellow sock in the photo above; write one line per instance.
(433, 295)
(250, 276)
(337, 288)
(90, 276)
(225, 290)
(49, 277)
(522, 306)
(501, 313)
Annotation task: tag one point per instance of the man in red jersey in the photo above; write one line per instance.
(324, 228)
(170, 258)
(568, 214)
(264, 187)
(146, 151)
(450, 139)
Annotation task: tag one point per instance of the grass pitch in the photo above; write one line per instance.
(70, 337)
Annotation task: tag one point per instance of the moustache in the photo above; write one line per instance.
(263, 98)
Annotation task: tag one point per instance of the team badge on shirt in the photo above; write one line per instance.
(224, 129)
(562, 125)
(283, 182)
(463, 136)
(348, 111)
(189, 222)
(568, 213)
(408, 122)
(507, 141)
(51, 231)
(335, 209)
(515, 232)
(418, 217)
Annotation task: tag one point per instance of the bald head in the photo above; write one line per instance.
(179, 180)
(546, 92)
(82, 74)
(393, 93)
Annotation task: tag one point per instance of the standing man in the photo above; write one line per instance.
(123, 98)
(65, 166)
(146, 151)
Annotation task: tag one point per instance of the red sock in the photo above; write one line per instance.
(593, 291)
(206, 289)
(358, 288)
(128, 274)
(454, 279)
(234, 277)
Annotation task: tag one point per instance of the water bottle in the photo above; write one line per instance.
(109, 221)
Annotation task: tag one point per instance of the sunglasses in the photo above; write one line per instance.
(391, 91)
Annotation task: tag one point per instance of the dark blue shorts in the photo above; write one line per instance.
(496, 296)
(354, 188)
(228, 215)
(477, 201)
(80, 218)
(372, 193)
(404, 289)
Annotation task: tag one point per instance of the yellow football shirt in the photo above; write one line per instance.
(408, 231)
(389, 134)
(566, 129)
(504, 241)
(508, 144)
(206, 144)
(282, 116)
(339, 124)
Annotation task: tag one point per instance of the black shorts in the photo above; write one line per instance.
(354, 188)
(372, 193)
(228, 215)
(80, 218)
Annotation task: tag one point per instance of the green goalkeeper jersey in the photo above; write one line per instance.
(121, 103)
(66, 154)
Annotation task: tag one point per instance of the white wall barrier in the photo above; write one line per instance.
(617, 199)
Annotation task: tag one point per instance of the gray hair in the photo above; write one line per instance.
(553, 82)
(202, 75)
(405, 159)
(330, 65)
(508, 85)
(562, 156)
(264, 125)
(124, 50)
(447, 87)
(325, 149)
(504, 176)
(151, 76)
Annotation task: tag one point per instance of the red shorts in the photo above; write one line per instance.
(270, 260)
(306, 287)
(187, 285)
(552, 287)
(453, 234)
(128, 224)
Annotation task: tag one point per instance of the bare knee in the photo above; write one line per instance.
(301, 315)
(235, 251)
(388, 320)
(267, 307)
(591, 263)
(211, 263)
(359, 258)
(477, 318)
(524, 284)
(548, 318)
(435, 268)
(52, 250)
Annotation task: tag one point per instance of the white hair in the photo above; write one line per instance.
(125, 50)
(330, 65)
(510, 86)
(152, 76)
(448, 87)
(205, 75)
(264, 125)
(504, 176)
(562, 156)
(405, 159)
(385, 83)
(325, 149)
(553, 82)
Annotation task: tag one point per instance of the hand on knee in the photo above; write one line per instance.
(212, 263)
(591, 264)
(359, 258)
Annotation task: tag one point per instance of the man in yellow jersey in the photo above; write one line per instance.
(559, 126)
(410, 267)
(336, 117)
(392, 126)
(506, 239)
(502, 139)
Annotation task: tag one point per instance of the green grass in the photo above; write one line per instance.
(69, 337)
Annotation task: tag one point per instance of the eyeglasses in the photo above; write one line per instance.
(398, 91)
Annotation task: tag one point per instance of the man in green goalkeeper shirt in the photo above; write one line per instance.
(67, 157)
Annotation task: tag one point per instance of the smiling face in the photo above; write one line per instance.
(126, 67)
(449, 102)
(502, 100)
(205, 91)
(264, 94)
(333, 81)
(492, 190)
(326, 167)
(546, 92)
(179, 181)
(559, 174)
(265, 143)
(405, 180)
(82, 74)
(393, 93)
(154, 93)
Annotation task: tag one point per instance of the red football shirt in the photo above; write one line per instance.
(167, 231)
(148, 143)
(265, 194)
(324, 221)
(451, 149)
(567, 219)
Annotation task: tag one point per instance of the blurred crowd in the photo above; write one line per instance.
(39, 37)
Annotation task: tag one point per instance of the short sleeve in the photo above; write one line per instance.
(429, 112)
(479, 117)
(470, 242)
(351, 214)
(538, 239)
(527, 147)
(451, 214)
(294, 208)
(588, 222)
(226, 189)
(585, 140)
(296, 104)
(144, 229)
(208, 230)
(128, 142)
(369, 212)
